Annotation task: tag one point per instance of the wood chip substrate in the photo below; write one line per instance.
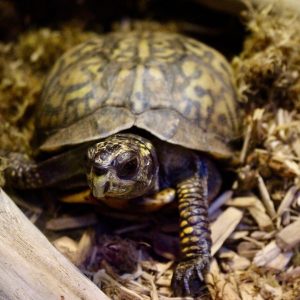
(255, 221)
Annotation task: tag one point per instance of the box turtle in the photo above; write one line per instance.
(137, 113)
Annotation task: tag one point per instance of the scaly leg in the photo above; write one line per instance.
(195, 240)
(24, 173)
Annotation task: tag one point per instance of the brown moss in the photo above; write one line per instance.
(268, 69)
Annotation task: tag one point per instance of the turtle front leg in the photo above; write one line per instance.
(195, 240)
(24, 173)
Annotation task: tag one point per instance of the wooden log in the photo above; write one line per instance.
(30, 267)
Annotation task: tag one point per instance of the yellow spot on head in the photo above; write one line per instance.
(80, 108)
(144, 151)
(148, 145)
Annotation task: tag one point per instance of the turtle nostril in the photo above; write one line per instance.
(106, 187)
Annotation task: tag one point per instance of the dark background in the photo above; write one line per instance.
(218, 28)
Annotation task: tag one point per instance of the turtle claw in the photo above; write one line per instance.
(188, 278)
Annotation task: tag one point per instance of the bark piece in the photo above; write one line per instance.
(259, 214)
(222, 228)
(271, 256)
(266, 197)
(231, 261)
(256, 209)
(287, 200)
(289, 236)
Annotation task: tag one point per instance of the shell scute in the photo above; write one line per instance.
(182, 80)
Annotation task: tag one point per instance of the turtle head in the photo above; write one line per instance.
(121, 167)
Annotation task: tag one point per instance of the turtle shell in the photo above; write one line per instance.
(175, 87)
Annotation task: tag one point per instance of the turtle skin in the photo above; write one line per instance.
(175, 94)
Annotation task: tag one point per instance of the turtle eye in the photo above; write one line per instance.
(127, 169)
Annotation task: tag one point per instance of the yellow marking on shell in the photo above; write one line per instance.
(189, 68)
(206, 82)
(116, 52)
(78, 93)
(53, 120)
(196, 49)
(94, 68)
(183, 223)
(137, 104)
(216, 64)
(121, 87)
(217, 57)
(123, 74)
(156, 73)
(80, 108)
(90, 47)
(167, 54)
(188, 230)
(220, 108)
(93, 102)
(143, 50)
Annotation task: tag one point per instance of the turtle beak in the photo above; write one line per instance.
(99, 186)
